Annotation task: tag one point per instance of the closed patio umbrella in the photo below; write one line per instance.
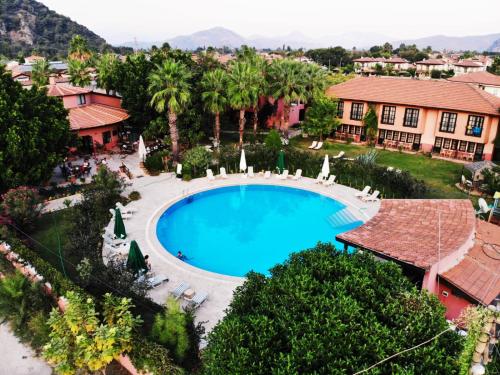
(281, 161)
(243, 161)
(135, 260)
(325, 170)
(142, 149)
(119, 226)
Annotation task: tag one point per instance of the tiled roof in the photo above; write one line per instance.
(368, 59)
(468, 63)
(407, 229)
(480, 78)
(431, 62)
(95, 115)
(478, 274)
(66, 90)
(419, 93)
(396, 60)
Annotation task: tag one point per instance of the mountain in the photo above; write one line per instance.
(215, 37)
(27, 25)
(478, 43)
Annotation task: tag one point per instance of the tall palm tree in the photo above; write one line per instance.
(316, 81)
(79, 49)
(170, 90)
(214, 96)
(287, 82)
(243, 90)
(78, 73)
(107, 66)
(40, 73)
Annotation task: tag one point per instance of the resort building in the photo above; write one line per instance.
(468, 66)
(440, 245)
(368, 64)
(425, 67)
(454, 120)
(95, 117)
(483, 80)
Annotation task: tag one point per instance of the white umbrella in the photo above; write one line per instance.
(325, 170)
(142, 149)
(243, 161)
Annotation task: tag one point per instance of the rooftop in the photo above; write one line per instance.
(431, 62)
(407, 229)
(468, 63)
(478, 274)
(419, 93)
(480, 78)
(95, 115)
(66, 90)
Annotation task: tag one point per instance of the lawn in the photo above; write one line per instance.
(440, 175)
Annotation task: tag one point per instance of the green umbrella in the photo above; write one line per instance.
(119, 226)
(135, 260)
(281, 161)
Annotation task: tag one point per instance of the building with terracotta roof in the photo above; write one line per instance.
(368, 64)
(484, 80)
(453, 119)
(33, 59)
(425, 67)
(95, 117)
(440, 245)
(468, 66)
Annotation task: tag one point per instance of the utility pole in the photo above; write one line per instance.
(487, 338)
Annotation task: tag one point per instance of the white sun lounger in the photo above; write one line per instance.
(330, 181)
(284, 175)
(318, 146)
(157, 280)
(483, 207)
(371, 198)
(250, 172)
(314, 144)
(223, 173)
(179, 290)
(364, 193)
(210, 175)
(320, 178)
(267, 174)
(125, 209)
(340, 154)
(198, 299)
(298, 175)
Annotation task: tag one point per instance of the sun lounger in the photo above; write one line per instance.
(198, 299)
(314, 144)
(179, 290)
(210, 175)
(223, 173)
(371, 198)
(340, 154)
(320, 178)
(267, 174)
(125, 209)
(298, 175)
(157, 280)
(284, 175)
(318, 146)
(330, 181)
(364, 193)
(250, 172)
(483, 207)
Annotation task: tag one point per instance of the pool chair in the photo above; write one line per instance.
(267, 174)
(339, 155)
(318, 146)
(179, 290)
(250, 172)
(125, 210)
(371, 198)
(298, 175)
(483, 207)
(198, 299)
(223, 173)
(210, 175)
(320, 178)
(156, 280)
(364, 193)
(314, 144)
(284, 175)
(330, 181)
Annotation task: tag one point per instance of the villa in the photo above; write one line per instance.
(483, 80)
(452, 119)
(468, 66)
(368, 64)
(424, 67)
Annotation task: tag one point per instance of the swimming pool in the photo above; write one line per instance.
(233, 230)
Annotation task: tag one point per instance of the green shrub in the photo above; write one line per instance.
(23, 205)
(153, 358)
(273, 141)
(195, 161)
(154, 164)
(134, 196)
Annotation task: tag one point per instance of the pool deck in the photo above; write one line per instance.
(159, 192)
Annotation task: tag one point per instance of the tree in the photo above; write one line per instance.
(79, 49)
(316, 81)
(329, 312)
(40, 73)
(34, 131)
(243, 89)
(495, 66)
(170, 91)
(273, 141)
(379, 69)
(22, 205)
(370, 121)
(214, 97)
(78, 73)
(81, 341)
(435, 74)
(107, 68)
(321, 117)
(197, 158)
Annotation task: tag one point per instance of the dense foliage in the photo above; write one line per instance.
(22, 205)
(328, 312)
(196, 160)
(34, 132)
(321, 117)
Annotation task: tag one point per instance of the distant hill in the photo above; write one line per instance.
(27, 25)
(478, 43)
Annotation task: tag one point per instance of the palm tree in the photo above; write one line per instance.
(243, 90)
(78, 74)
(79, 49)
(170, 90)
(316, 81)
(40, 73)
(106, 71)
(287, 82)
(214, 97)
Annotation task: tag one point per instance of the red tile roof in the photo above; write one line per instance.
(480, 78)
(396, 60)
(407, 229)
(431, 62)
(66, 90)
(478, 274)
(468, 63)
(419, 93)
(95, 115)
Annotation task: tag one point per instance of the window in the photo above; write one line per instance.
(410, 138)
(462, 146)
(454, 144)
(81, 99)
(381, 133)
(470, 147)
(447, 143)
(388, 115)
(417, 139)
(389, 134)
(340, 108)
(357, 111)
(448, 122)
(395, 136)
(106, 137)
(479, 149)
(475, 126)
(438, 142)
(411, 117)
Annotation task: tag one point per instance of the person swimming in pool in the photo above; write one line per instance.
(180, 255)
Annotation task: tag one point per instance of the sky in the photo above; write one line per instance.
(156, 20)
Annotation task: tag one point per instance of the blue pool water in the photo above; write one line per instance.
(233, 230)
